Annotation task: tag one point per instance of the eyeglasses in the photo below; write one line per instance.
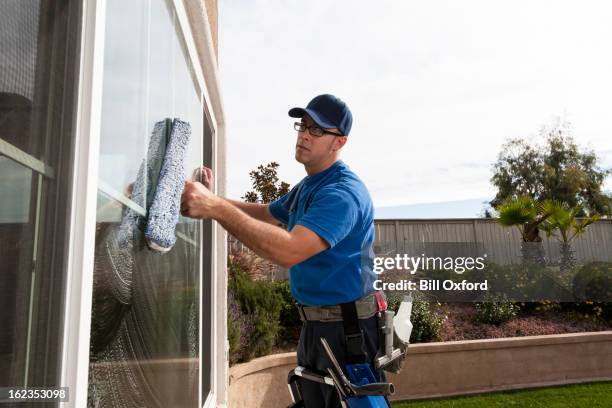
(314, 130)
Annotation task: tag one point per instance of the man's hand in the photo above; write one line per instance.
(205, 176)
(198, 201)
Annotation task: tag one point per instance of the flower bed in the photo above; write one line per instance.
(461, 324)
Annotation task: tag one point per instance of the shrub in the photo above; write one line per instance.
(289, 314)
(261, 305)
(524, 283)
(394, 299)
(239, 329)
(427, 317)
(495, 309)
(539, 306)
(233, 327)
(290, 322)
(593, 282)
(425, 321)
(592, 286)
(596, 312)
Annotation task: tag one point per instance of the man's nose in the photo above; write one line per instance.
(305, 135)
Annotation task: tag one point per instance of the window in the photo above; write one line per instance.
(145, 313)
(39, 42)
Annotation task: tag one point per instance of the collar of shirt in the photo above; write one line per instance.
(308, 180)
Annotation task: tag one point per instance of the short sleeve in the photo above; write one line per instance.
(332, 214)
(279, 210)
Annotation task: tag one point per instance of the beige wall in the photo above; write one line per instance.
(452, 368)
(213, 19)
(467, 367)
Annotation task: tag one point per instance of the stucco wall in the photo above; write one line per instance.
(452, 368)
(213, 19)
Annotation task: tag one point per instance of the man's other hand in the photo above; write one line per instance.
(205, 176)
(198, 201)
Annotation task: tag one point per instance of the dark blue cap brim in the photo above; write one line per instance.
(318, 119)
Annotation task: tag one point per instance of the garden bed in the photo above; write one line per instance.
(461, 325)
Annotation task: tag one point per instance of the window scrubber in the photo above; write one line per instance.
(165, 208)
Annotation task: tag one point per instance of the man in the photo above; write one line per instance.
(327, 245)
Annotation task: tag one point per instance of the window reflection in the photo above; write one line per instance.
(145, 313)
(39, 44)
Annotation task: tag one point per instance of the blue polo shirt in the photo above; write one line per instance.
(336, 205)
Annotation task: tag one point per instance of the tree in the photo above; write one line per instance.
(556, 171)
(564, 220)
(266, 185)
(527, 215)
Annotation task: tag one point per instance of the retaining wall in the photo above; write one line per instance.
(452, 368)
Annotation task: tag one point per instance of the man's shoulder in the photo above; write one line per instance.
(346, 186)
(351, 182)
(344, 176)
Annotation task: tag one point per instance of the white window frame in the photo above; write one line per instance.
(79, 280)
(195, 28)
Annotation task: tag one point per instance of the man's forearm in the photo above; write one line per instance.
(266, 240)
(255, 210)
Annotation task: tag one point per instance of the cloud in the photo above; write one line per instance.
(435, 87)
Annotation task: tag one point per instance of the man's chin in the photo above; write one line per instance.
(299, 157)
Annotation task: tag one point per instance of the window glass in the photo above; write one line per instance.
(39, 43)
(145, 315)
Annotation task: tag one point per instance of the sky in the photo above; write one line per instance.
(435, 87)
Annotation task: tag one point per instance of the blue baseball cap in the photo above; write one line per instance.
(328, 111)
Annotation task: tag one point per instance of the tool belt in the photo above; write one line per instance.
(366, 307)
(349, 314)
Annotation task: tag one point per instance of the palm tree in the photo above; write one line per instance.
(527, 215)
(564, 219)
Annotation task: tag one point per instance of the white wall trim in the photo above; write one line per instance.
(79, 282)
(203, 41)
(200, 28)
(183, 20)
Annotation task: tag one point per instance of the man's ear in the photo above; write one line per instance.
(340, 142)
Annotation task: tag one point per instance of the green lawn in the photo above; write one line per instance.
(578, 395)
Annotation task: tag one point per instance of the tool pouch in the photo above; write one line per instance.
(396, 365)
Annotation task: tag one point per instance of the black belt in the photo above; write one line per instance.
(348, 314)
(367, 307)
